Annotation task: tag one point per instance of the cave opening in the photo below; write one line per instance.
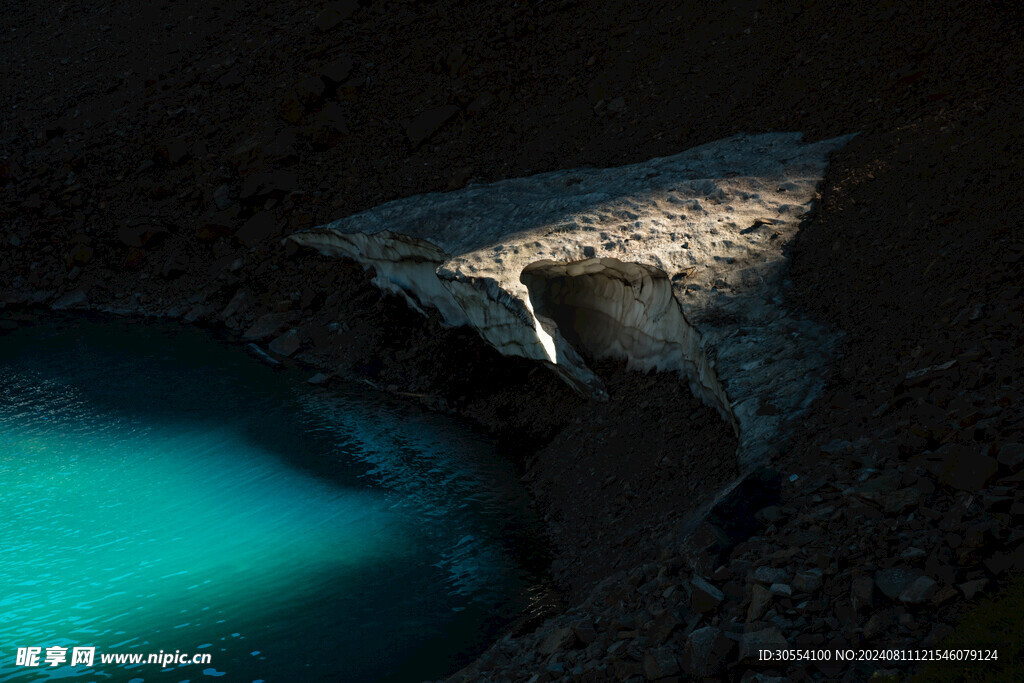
(607, 308)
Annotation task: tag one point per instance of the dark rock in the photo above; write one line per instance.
(760, 598)
(291, 108)
(260, 185)
(861, 592)
(751, 643)
(557, 640)
(1011, 455)
(425, 125)
(879, 623)
(900, 501)
(261, 226)
(893, 581)
(76, 299)
(770, 575)
(626, 669)
(310, 90)
(215, 226)
(663, 626)
(287, 344)
(335, 13)
(337, 70)
(80, 255)
(143, 236)
(330, 126)
(919, 591)
(585, 632)
(134, 258)
(266, 326)
(735, 512)
(962, 467)
(768, 515)
(265, 151)
(261, 354)
(971, 588)
(482, 102)
(703, 596)
(239, 302)
(173, 151)
(705, 651)
(660, 663)
(222, 197)
(10, 172)
(176, 265)
(808, 581)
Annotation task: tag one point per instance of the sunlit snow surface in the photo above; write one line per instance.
(162, 491)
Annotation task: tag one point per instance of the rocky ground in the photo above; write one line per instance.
(152, 156)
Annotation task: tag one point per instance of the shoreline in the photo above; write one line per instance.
(154, 157)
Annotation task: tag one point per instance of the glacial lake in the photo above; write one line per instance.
(164, 491)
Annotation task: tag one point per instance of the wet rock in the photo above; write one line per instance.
(919, 591)
(335, 13)
(287, 344)
(71, 300)
(261, 354)
(425, 125)
(891, 582)
(660, 663)
(703, 596)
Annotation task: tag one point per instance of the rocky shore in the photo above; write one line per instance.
(151, 160)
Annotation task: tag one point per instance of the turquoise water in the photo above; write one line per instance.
(163, 491)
